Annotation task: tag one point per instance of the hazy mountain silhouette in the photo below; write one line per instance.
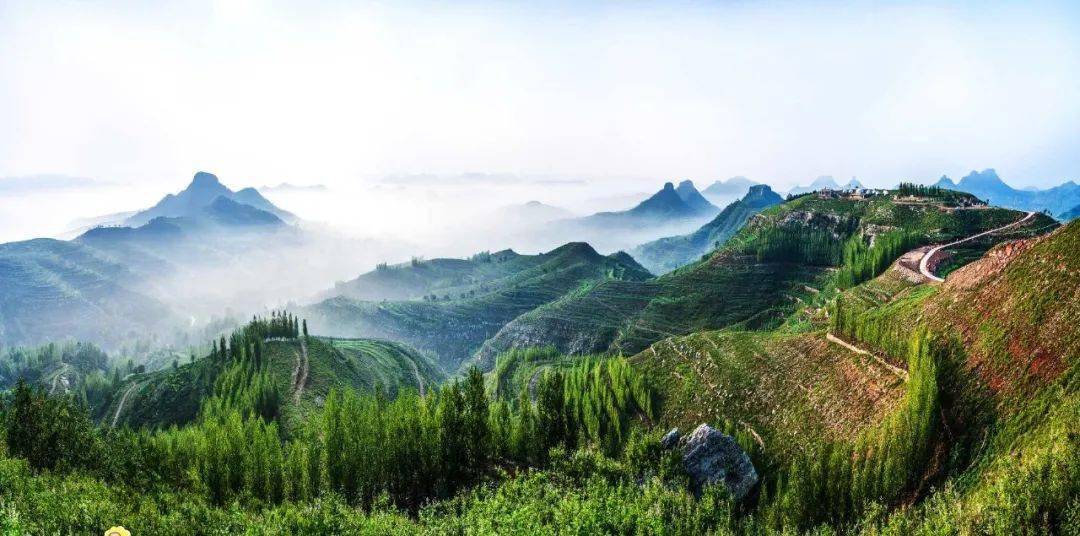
(202, 192)
(987, 185)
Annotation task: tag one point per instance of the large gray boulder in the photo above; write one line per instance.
(711, 457)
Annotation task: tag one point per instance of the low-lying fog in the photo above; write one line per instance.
(345, 230)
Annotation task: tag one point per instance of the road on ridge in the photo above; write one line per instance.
(925, 261)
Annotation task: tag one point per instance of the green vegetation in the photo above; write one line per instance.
(869, 404)
(452, 327)
(777, 263)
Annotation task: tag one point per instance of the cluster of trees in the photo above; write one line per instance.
(834, 482)
(409, 449)
(883, 328)
(798, 244)
(31, 363)
(919, 190)
(862, 262)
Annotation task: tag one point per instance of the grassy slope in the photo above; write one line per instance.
(1012, 413)
(786, 387)
(173, 396)
(728, 288)
(453, 329)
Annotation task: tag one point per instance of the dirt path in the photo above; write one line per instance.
(901, 373)
(300, 373)
(419, 380)
(925, 261)
(56, 378)
(120, 406)
(531, 385)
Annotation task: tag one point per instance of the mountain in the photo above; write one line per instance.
(987, 185)
(824, 181)
(852, 184)
(421, 278)
(664, 213)
(225, 211)
(732, 187)
(693, 198)
(667, 204)
(666, 254)
(203, 191)
(127, 281)
(737, 284)
(1070, 214)
(470, 301)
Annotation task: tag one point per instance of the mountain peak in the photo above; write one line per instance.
(986, 177)
(669, 186)
(761, 196)
(693, 198)
(204, 179)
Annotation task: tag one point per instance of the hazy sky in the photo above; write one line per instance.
(264, 92)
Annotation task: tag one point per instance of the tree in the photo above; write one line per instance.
(477, 434)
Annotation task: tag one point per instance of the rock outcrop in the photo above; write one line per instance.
(711, 457)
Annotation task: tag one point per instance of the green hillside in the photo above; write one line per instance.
(55, 290)
(782, 258)
(453, 327)
(440, 277)
(175, 396)
(870, 398)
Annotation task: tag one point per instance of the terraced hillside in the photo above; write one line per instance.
(453, 328)
(439, 277)
(1014, 311)
(302, 372)
(785, 387)
(54, 290)
(783, 257)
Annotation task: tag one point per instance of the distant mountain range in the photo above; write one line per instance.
(204, 190)
(113, 281)
(825, 181)
(723, 192)
(666, 254)
(672, 210)
(670, 203)
(1059, 200)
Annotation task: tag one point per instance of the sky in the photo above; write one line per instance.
(622, 95)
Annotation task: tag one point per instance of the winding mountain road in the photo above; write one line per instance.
(924, 263)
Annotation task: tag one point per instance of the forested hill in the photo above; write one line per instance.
(780, 258)
(454, 324)
(273, 370)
